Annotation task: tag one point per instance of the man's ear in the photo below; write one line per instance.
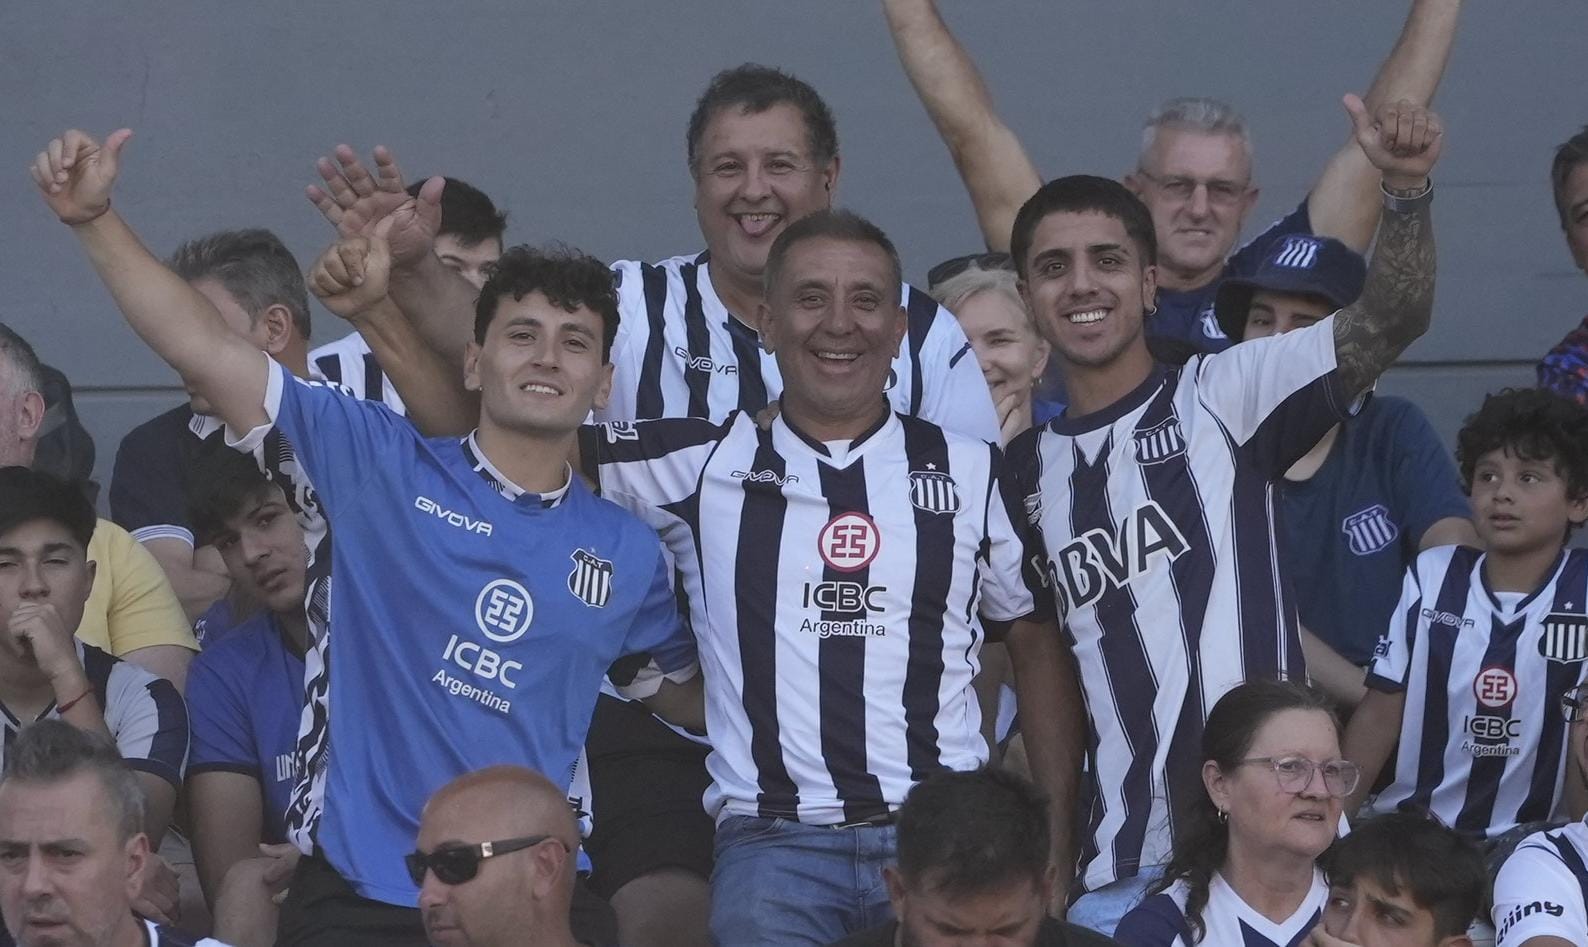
(896, 889)
(30, 415)
(276, 329)
(471, 366)
(768, 324)
(137, 853)
(603, 392)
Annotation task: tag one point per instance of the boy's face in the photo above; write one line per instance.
(41, 563)
(1364, 914)
(262, 546)
(1519, 505)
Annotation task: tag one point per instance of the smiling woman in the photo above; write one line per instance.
(1244, 867)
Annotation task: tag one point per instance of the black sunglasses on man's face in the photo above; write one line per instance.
(455, 864)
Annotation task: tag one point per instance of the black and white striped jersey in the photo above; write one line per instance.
(1542, 889)
(349, 362)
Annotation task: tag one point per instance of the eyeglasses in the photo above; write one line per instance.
(456, 864)
(948, 269)
(1294, 773)
(1222, 193)
(1574, 704)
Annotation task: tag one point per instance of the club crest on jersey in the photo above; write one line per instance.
(591, 578)
(1565, 637)
(621, 431)
(1300, 253)
(1160, 442)
(933, 490)
(849, 542)
(503, 610)
(1370, 530)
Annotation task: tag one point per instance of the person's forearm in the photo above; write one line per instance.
(77, 703)
(1450, 531)
(176, 321)
(1397, 301)
(991, 161)
(1417, 63)
(682, 705)
(431, 387)
(1370, 739)
(169, 661)
(1053, 721)
(439, 304)
(1338, 677)
(196, 587)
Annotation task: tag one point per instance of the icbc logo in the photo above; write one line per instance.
(1494, 687)
(849, 542)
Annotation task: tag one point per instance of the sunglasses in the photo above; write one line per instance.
(455, 864)
(948, 269)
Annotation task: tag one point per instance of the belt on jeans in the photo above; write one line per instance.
(881, 818)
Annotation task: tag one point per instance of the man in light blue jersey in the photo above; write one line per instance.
(483, 592)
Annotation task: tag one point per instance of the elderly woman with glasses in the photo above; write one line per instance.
(1244, 869)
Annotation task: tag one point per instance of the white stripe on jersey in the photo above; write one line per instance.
(1228, 921)
(349, 362)
(680, 354)
(835, 607)
(1157, 515)
(1542, 889)
(1482, 739)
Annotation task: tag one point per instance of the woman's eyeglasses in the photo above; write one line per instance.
(1294, 773)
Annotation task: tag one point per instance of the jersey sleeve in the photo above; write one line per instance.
(143, 610)
(218, 712)
(954, 394)
(652, 463)
(1392, 657)
(147, 719)
(1005, 592)
(1537, 895)
(1427, 485)
(1155, 922)
(147, 486)
(658, 646)
(1276, 396)
(1245, 261)
(337, 438)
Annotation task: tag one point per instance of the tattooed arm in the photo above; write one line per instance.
(1402, 140)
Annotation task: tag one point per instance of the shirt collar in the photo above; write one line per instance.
(507, 488)
(821, 448)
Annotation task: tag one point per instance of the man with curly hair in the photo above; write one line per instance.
(1483, 645)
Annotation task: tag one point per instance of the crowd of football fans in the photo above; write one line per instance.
(763, 616)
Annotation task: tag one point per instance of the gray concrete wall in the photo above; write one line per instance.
(571, 114)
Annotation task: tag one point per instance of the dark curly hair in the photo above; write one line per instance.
(754, 88)
(567, 277)
(1409, 851)
(1201, 838)
(1533, 424)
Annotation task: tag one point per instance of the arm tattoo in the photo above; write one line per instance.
(1397, 301)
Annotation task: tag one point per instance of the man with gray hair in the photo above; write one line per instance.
(255, 282)
(1194, 172)
(72, 847)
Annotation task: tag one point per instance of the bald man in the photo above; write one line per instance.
(495, 864)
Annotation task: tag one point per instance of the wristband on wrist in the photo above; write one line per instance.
(1402, 202)
(63, 708)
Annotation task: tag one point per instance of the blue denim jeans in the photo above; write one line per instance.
(782, 884)
(1101, 909)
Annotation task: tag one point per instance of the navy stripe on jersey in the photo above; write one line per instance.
(1483, 779)
(1452, 598)
(842, 663)
(1133, 686)
(330, 368)
(1256, 576)
(1562, 677)
(649, 394)
(755, 597)
(1567, 853)
(747, 352)
(921, 310)
(699, 341)
(934, 567)
(374, 378)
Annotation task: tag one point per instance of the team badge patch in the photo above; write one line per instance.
(621, 431)
(1300, 253)
(1160, 442)
(933, 491)
(1565, 638)
(1370, 530)
(591, 578)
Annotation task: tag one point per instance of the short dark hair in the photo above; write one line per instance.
(1571, 153)
(755, 88)
(15, 350)
(466, 212)
(1534, 424)
(27, 495)
(963, 833)
(224, 481)
(835, 225)
(52, 751)
(254, 266)
(569, 278)
(1079, 194)
(1441, 869)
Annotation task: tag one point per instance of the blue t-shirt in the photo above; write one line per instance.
(1188, 315)
(471, 622)
(245, 695)
(1358, 522)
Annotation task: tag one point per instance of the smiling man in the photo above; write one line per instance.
(532, 589)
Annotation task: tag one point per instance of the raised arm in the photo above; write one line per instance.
(1344, 203)
(1403, 141)
(991, 161)
(75, 174)
(438, 302)
(352, 279)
